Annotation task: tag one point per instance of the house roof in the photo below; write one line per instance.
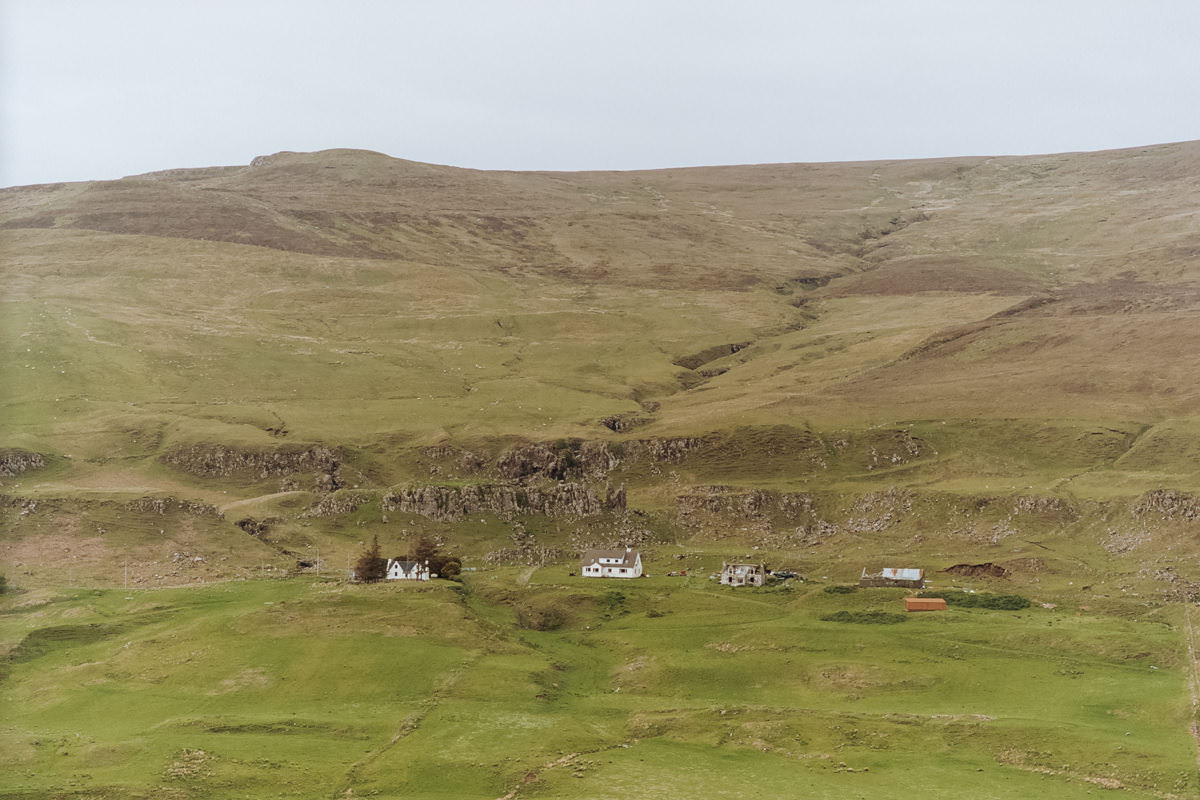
(628, 557)
(407, 566)
(895, 574)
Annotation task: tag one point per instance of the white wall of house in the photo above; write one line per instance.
(614, 568)
(416, 572)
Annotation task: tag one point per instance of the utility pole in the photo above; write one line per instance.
(127, 574)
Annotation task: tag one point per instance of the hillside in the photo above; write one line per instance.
(244, 373)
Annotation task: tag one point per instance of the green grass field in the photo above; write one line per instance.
(657, 687)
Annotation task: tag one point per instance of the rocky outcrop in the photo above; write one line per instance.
(985, 570)
(578, 459)
(879, 511)
(14, 461)
(619, 423)
(172, 505)
(345, 501)
(570, 460)
(1043, 506)
(566, 459)
(666, 449)
(452, 503)
(255, 527)
(1167, 504)
(222, 461)
(27, 504)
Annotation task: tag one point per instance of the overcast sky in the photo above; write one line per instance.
(104, 88)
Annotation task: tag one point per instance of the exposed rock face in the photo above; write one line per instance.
(14, 461)
(802, 448)
(985, 570)
(671, 449)
(1042, 505)
(879, 511)
(451, 503)
(614, 499)
(169, 505)
(1167, 504)
(577, 459)
(619, 423)
(215, 460)
(253, 526)
(568, 459)
(338, 503)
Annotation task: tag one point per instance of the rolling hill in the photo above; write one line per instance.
(247, 372)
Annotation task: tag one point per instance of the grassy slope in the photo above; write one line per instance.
(259, 687)
(465, 305)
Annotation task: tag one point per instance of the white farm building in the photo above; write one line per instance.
(625, 563)
(398, 570)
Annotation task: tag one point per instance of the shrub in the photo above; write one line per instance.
(865, 617)
(613, 601)
(839, 588)
(996, 602)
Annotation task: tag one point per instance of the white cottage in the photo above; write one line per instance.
(398, 570)
(625, 563)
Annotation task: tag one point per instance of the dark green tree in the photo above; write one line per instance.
(423, 549)
(371, 565)
(441, 564)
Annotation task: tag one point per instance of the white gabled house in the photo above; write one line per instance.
(398, 570)
(625, 563)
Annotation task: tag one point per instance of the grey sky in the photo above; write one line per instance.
(104, 88)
